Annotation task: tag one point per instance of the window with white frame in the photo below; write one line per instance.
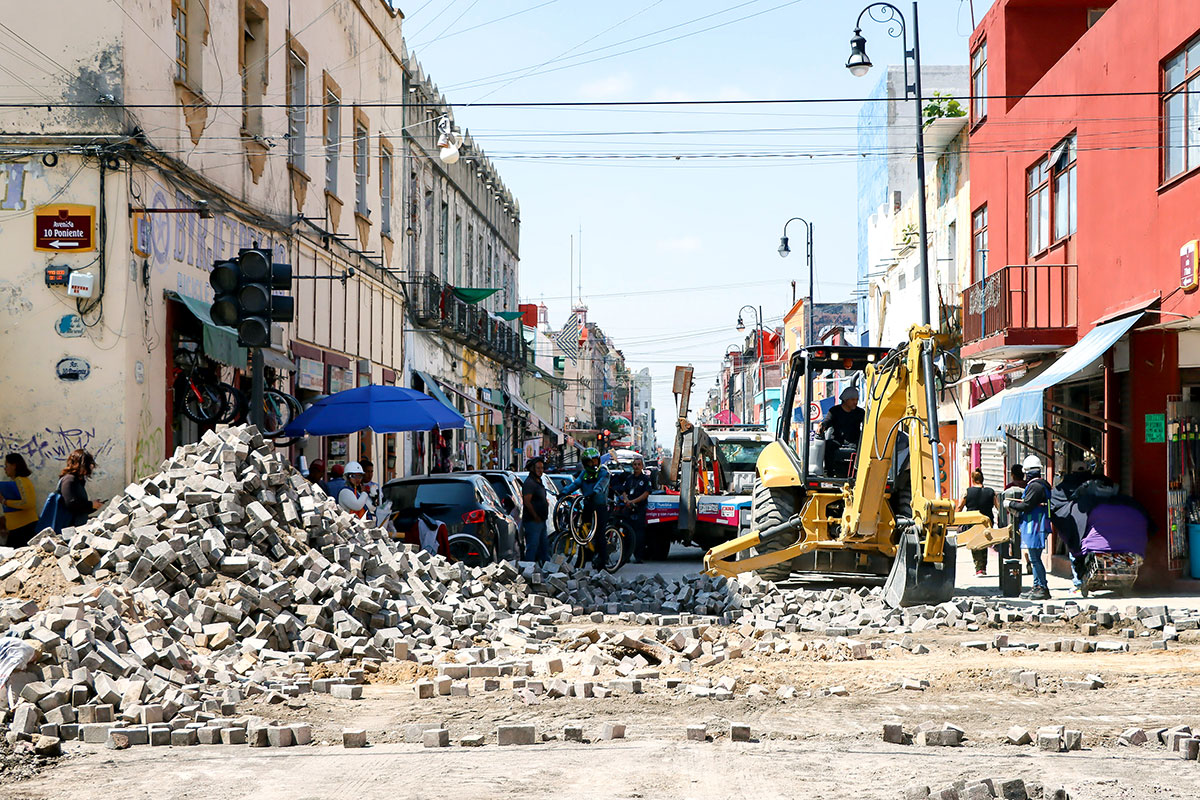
(1062, 167)
(385, 191)
(333, 140)
(361, 154)
(979, 243)
(1181, 110)
(979, 82)
(1037, 206)
(297, 109)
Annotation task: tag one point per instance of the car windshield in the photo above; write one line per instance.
(741, 454)
(452, 493)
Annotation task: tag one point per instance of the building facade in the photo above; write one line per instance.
(1083, 197)
(165, 137)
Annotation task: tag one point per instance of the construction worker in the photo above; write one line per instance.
(845, 420)
(353, 497)
(592, 483)
(637, 494)
(1034, 524)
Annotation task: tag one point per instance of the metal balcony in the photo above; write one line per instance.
(434, 306)
(1020, 310)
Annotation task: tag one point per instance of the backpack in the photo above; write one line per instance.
(54, 513)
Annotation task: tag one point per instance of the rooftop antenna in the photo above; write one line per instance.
(571, 283)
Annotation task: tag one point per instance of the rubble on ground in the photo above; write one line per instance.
(227, 576)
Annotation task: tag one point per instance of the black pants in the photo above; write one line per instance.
(637, 526)
(599, 540)
(19, 537)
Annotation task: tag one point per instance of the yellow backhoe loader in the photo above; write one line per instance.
(870, 508)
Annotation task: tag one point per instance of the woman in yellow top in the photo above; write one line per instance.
(20, 515)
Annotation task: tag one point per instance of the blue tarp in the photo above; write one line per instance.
(1023, 405)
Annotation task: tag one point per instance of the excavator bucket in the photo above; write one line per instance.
(914, 581)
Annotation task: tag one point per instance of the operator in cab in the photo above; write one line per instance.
(845, 421)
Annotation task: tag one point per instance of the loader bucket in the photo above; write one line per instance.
(914, 581)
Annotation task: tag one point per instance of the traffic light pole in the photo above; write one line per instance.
(256, 387)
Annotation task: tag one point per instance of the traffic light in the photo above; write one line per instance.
(244, 295)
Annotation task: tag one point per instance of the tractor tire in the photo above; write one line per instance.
(768, 508)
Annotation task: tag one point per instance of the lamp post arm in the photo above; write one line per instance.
(893, 18)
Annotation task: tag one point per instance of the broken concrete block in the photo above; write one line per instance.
(184, 737)
(893, 733)
(424, 689)
(572, 733)
(472, 740)
(346, 692)
(516, 735)
(612, 730)
(233, 735)
(279, 736)
(354, 738)
(1189, 749)
(939, 738)
(117, 740)
(1133, 737)
(1017, 735)
(1073, 740)
(697, 733)
(439, 737)
(739, 732)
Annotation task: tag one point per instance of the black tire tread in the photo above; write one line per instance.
(768, 508)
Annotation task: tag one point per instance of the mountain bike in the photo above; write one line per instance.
(576, 542)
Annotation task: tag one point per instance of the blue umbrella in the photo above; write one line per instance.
(383, 409)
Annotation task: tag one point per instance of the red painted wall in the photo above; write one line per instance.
(1156, 356)
(1129, 229)
(1130, 226)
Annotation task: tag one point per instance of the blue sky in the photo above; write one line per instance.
(658, 228)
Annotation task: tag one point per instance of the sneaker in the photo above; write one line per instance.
(1039, 593)
(980, 573)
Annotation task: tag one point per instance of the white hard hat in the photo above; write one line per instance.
(1030, 463)
(353, 468)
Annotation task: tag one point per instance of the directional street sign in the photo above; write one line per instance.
(64, 228)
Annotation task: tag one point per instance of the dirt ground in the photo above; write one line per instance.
(806, 746)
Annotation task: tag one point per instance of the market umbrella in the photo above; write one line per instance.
(383, 409)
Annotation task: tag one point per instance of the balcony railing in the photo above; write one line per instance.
(1026, 305)
(434, 306)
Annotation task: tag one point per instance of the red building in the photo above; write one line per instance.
(1085, 149)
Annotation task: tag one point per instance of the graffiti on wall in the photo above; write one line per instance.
(148, 453)
(52, 445)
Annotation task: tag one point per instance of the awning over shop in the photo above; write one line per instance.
(518, 402)
(558, 434)
(278, 360)
(432, 387)
(1023, 405)
(220, 342)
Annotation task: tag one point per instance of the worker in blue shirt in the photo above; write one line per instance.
(592, 483)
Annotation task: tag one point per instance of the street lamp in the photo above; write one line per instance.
(758, 351)
(859, 64)
(783, 253)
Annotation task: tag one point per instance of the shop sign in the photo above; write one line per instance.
(69, 326)
(72, 369)
(340, 379)
(310, 374)
(1156, 428)
(1189, 275)
(65, 228)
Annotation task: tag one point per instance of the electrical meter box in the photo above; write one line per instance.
(81, 284)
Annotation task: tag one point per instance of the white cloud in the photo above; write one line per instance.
(612, 87)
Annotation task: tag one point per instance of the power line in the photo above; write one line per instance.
(596, 103)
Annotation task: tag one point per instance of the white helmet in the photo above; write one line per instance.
(1031, 463)
(353, 468)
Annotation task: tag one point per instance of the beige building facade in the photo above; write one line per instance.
(170, 135)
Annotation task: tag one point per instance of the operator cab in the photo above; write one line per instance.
(827, 379)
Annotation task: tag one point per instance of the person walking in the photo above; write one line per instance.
(1034, 524)
(537, 511)
(353, 496)
(21, 512)
(637, 496)
(72, 485)
(982, 499)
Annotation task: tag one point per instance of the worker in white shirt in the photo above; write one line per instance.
(353, 498)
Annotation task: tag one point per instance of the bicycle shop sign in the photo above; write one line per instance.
(187, 240)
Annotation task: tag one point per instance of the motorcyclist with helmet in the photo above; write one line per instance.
(592, 482)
